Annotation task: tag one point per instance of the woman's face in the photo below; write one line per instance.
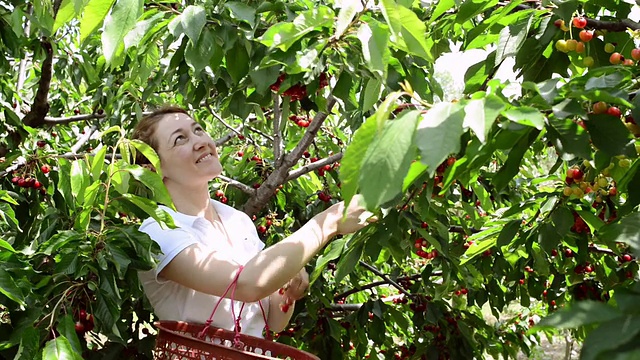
(187, 153)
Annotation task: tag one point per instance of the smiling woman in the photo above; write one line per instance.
(214, 244)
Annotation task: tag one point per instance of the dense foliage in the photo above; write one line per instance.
(513, 195)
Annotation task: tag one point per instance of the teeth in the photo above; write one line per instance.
(204, 158)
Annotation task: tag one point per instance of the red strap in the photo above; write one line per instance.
(232, 286)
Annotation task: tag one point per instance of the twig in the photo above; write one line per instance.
(230, 135)
(83, 139)
(313, 166)
(597, 249)
(244, 188)
(278, 144)
(234, 130)
(460, 229)
(378, 283)
(269, 137)
(386, 278)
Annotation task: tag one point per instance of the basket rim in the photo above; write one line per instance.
(162, 326)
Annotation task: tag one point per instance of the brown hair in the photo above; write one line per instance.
(146, 128)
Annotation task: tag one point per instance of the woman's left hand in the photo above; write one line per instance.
(297, 287)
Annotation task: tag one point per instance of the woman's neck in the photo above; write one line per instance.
(191, 200)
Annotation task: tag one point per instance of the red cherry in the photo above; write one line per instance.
(54, 134)
(240, 137)
(521, 281)
(76, 111)
(614, 111)
(37, 184)
(553, 303)
(240, 153)
(320, 172)
(45, 169)
(600, 107)
(568, 253)
(626, 258)
(262, 229)
(224, 200)
(424, 225)
(579, 22)
(219, 193)
(616, 58)
(303, 123)
(41, 143)
(79, 327)
(554, 252)
(284, 307)
(313, 159)
(306, 154)
(635, 54)
(586, 35)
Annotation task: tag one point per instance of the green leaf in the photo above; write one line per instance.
(610, 135)
(123, 18)
(153, 182)
(93, 16)
(242, 12)
(439, 132)
(148, 153)
(569, 138)
(332, 252)
(66, 327)
(142, 29)
(79, 179)
(526, 115)
(59, 349)
(415, 171)
(345, 16)
(9, 288)
(237, 62)
(508, 233)
(98, 163)
(581, 313)
(66, 12)
(193, 19)
(150, 208)
(483, 241)
(199, 56)
(627, 230)
(442, 7)
(511, 39)
(388, 159)
(349, 260)
(606, 81)
(371, 94)
(374, 38)
(409, 32)
(511, 168)
(610, 335)
(284, 34)
(480, 114)
(29, 344)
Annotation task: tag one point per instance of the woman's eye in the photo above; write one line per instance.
(199, 130)
(179, 138)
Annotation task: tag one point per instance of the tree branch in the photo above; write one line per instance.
(83, 139)
(386, 278)
(378, 283)
(613, 26)
(238, 185)
(280, 174)
(313, 166)
(40, 106)
(278, 145)
(66, 120)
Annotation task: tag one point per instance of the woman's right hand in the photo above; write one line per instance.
(353, 219)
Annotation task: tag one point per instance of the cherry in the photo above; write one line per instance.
(41, 143)
(37, 184)
(635, 54)
(521, 281)
(76, 111)
(79, 326)
(616, 58)
(45, 169)
(609, 48)
(579, 22)
(626, 258)
(614, 111)
(306, 154)
(568, 253)
(262, 229)
(240, 137)
(424, 225)
(54, 134)
(303, 123)
(240, 153)
(314, 159)
(586, 35)
(554, 252)
(224, 200)
(528, 269)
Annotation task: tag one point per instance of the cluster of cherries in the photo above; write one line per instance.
(84, 323)
(298, 91)
(221, 196)
(302, 121)
(421, 243)
(31, 182)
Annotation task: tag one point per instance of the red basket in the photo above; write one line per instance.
(179, 340)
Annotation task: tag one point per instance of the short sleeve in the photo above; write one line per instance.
(171, 241)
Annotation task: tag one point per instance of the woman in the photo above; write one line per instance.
(214, 242)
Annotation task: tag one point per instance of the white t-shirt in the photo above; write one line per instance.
(172, 301)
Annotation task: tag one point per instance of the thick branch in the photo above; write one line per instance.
(613, 26)
(66, 120)
(40, 106)
(313, 166)
(83, 139)
(280, 174)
